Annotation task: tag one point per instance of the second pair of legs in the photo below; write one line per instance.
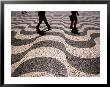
(74, 29)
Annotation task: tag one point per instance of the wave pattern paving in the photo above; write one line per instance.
(59, 53)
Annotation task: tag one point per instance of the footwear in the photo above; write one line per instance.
(75, 31)
(42, 33)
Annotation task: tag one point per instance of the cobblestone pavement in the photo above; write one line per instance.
(58, 53)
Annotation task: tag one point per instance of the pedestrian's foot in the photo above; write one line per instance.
(41, 32)
(75, 31)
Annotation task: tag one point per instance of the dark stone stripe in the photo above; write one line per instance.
(49, 43)
(79, 44)
(17, 23)
(90, 66)
(18, 27)
(54, 44)
(49, 65)
(19, 42)
(17, 57)
(84, 44)
(16, 20)
(87, 65)
(28, 32)
(89, 19)
(27, 17)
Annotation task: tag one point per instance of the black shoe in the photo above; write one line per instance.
(75, 31)
(41, 32)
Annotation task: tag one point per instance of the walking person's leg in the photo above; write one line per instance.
(48, 26)
(71, 26)
(74, 30)
(25, 11)
(75, 22)
(37, 27)
(40, 21)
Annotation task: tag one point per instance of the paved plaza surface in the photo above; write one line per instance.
(57, 53)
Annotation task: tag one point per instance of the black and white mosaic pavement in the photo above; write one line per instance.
(58, 53)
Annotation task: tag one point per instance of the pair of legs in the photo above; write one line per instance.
(74, 29)
(45, 20)
(23, 12)
(74, 20)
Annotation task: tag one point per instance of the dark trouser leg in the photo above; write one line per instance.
(74, 30)
(22, 12)
(71, 26)
(45, 20)
(40, 21)
(75, 23)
